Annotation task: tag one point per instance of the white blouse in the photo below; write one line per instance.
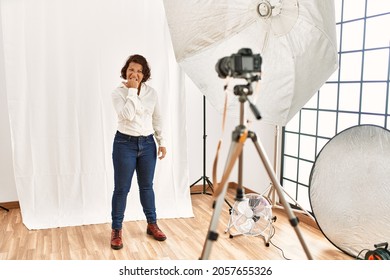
(138, 115)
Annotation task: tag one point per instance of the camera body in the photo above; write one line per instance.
(239, 65)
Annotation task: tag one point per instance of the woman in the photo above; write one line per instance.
(134, 148)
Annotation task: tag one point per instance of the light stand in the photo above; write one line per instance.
(239, 136)
(4, 208)
(204, 177)
(271, 189)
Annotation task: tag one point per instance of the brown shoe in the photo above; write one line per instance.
(116, 239)
(154, 230)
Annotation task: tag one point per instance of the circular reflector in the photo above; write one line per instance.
(350, 189)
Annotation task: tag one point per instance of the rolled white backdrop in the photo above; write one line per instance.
(62, 60)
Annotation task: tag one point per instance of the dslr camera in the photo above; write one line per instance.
(239, 65)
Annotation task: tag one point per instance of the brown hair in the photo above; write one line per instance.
(136, 58)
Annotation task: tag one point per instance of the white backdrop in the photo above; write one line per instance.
(7, 181)
(62, 60)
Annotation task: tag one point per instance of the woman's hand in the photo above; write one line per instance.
(162, 151)
(132, 82)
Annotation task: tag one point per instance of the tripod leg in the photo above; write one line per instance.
(210, 185)
(212, 235)
(271, 173)
(4, 208)
(204, 189)
(196, 182)
(234, 152)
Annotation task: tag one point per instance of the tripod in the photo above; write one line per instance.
(239, 136)
(204, 177)
(4, 208)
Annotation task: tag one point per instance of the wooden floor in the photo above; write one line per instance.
(186, 238)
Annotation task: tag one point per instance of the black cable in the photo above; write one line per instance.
(280, 249)
(357, 257)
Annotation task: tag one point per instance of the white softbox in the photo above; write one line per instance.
(296, 39)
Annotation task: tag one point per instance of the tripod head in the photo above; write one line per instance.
(243, 91)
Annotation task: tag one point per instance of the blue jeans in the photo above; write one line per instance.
(131, 153)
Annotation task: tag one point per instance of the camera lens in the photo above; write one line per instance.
(223, 67)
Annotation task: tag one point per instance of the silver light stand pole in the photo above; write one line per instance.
(239, 136)
(271, 189)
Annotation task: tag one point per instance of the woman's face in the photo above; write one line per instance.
(134, 72)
